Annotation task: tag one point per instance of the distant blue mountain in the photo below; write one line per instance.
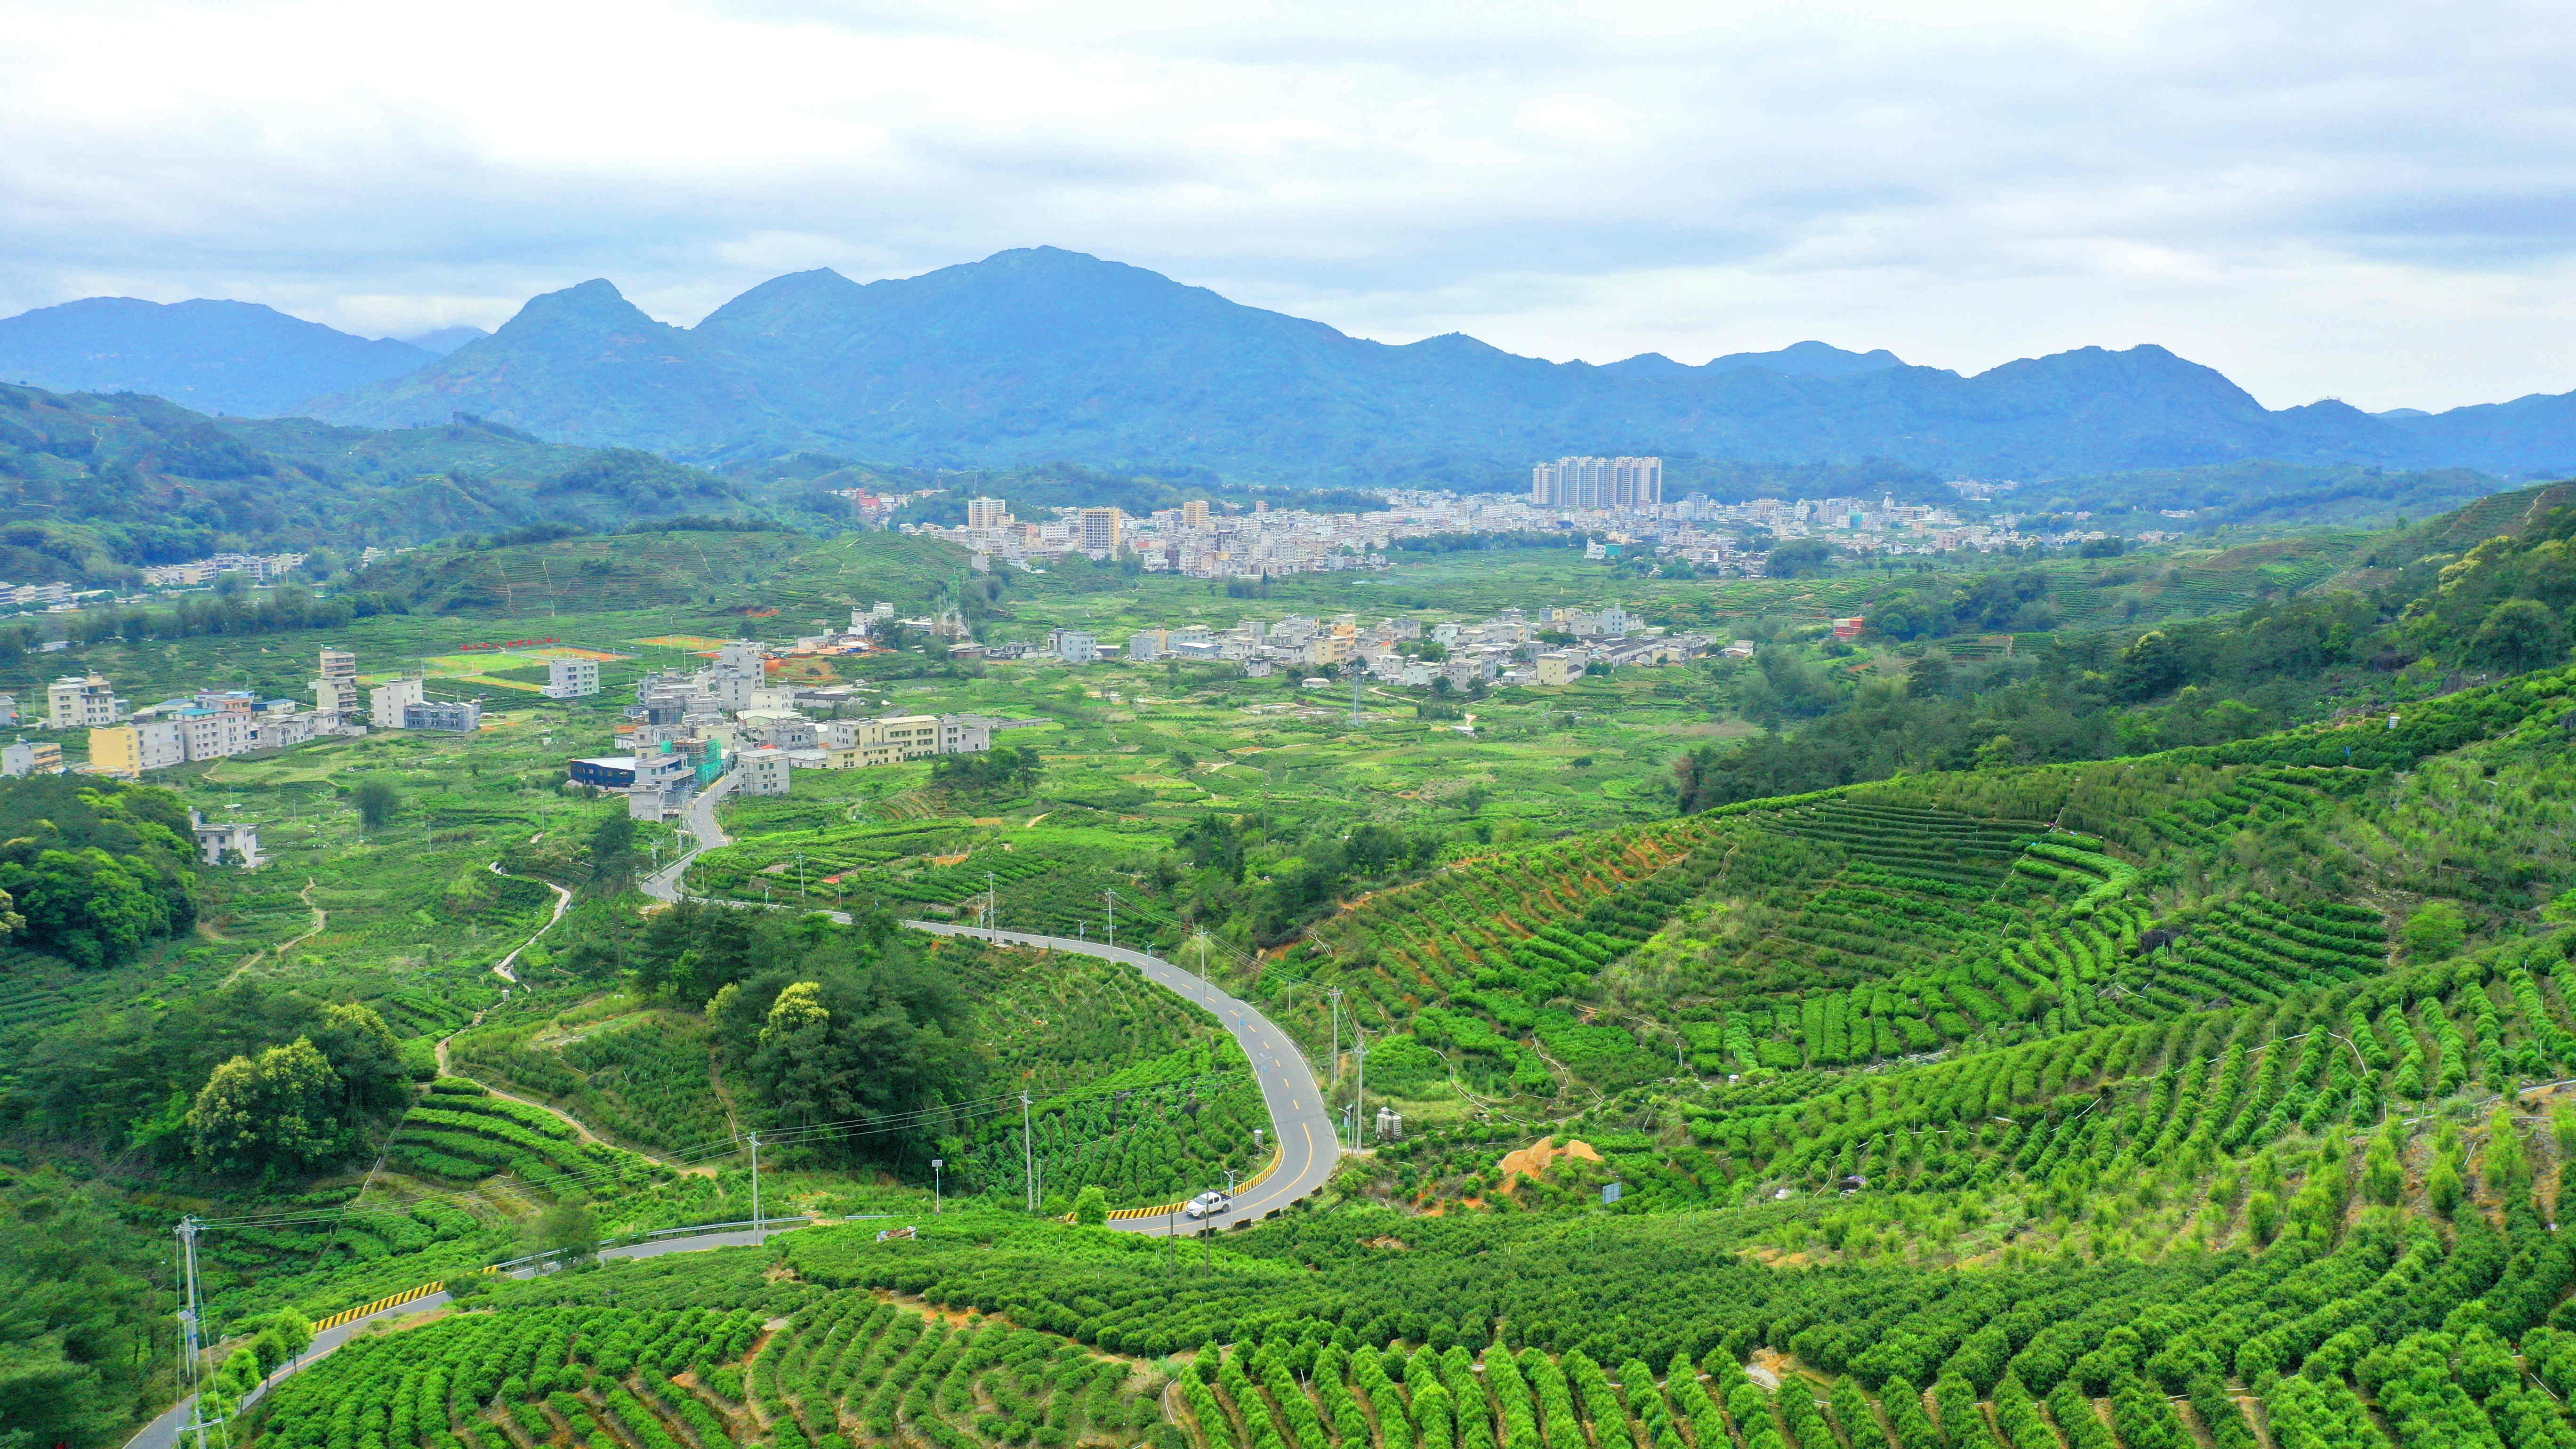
(217, 357)
(1040, 355)
(447, 339)
(1798, 359)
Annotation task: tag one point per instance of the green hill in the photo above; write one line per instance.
(96, 486)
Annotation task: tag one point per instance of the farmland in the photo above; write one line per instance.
(2209, 1092)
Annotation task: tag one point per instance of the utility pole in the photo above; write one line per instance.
(1203, 999)
(190, 1379)
(755, 1183)
(1336, 995)
(1112, 898)
(992, 908)
(1355, 700)
(800, 877)
(1359, 1088)
(935, 1165)
(1028, 1153)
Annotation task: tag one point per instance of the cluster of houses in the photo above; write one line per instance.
(1543, 647)
(126, 741)
(687, 730)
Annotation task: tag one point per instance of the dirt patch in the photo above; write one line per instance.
(957, 859)
(1535, 1159)
(1391, 1243)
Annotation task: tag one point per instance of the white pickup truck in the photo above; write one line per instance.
(1207, 1205)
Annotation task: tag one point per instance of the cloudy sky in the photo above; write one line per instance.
(2360, 200)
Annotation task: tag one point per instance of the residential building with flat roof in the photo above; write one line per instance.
(81, 701)
(386, 702)
(458, 717)
(571, 678)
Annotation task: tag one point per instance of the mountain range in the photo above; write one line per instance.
(1039, 354)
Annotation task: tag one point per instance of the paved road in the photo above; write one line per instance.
(166, 1431)
(1299, 1120)
(698, 817)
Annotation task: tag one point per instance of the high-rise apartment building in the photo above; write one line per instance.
(1099, 529)
(987, 513)
(1611, 483)
(1194, 513)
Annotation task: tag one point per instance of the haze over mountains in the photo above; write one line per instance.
(1040, 354)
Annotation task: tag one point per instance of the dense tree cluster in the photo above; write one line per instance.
(97, 870)
(827, 1024)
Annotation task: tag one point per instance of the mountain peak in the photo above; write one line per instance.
(211, 354)
(596, 301)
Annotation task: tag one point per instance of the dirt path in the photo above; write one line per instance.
(563, 903)
(321, 918)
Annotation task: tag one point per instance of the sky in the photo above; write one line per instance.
(2361, 200)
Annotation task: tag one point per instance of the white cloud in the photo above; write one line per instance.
(2369, 201)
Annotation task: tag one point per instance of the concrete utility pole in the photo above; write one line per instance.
(1028, 1153)
(935, 1165)
(1336, 995)
(755, 1183)
(1111, 897)
(191, 1378)
(1359, 1088)
(992, 908)
(1203, 999)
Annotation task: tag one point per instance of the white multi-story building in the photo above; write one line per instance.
(985, 513)
(82, 701)
(212, 734)
(765, 770)
(31, 757)
(1073, 646)
(337, 696)
(571, 678)
(128, 750)
(385, 702)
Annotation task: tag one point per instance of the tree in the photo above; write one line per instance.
(1929, 678)
(2149, 667)
(377, 802)
(2383, 1177)
(95, 908)
(2517, 635)
(2443, 1186)
(2435, 932)
(569, 1230)
(1797, 557)
(1091, 1206)
(2507, 1163)
(364, 1054)
(2263, 1216)
(612, 849)
(281, 1109)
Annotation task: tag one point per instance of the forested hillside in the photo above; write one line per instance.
(96, 486)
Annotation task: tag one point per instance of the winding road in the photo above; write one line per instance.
(167, 1431)
(1299, 1121)
(1300, 1124)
